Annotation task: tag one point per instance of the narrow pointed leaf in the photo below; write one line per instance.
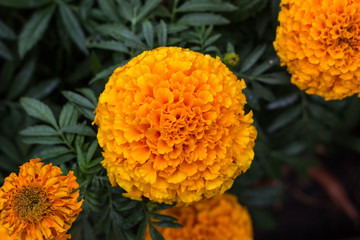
(38, 110)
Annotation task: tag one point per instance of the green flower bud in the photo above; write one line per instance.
(231, 59)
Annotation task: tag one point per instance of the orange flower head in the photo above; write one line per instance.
(39, 204)
(172, 126)
(218, 218)
(319, 42)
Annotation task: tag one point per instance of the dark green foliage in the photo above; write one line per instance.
(56, 57)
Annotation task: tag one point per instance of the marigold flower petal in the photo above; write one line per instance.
(39, 203)
(319, 42)
(172, 126)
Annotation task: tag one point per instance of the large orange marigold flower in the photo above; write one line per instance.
(319, 41)
(39, 204)
(218, 218)
(172, 126)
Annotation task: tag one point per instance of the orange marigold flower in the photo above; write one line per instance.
(221, 217)
(319, 41)
(172, 126)
(39, 204)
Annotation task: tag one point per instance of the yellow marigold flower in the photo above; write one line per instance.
(39, 204)
(319, 41)
(218, 218)
(4, 234)
(231, 59)
(172, 126)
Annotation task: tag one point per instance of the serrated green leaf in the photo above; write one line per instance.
(155, 234)
(162, 33)
(141, 230)
(79, 129)
(52, 152)
(72, 26)
(200, 19)
(108, 7)
(39, 130)
(38, 110)
(5, 52)
(42, 140)
(108, 45)
(87, 92)
(22, 79)
(148, 32)
(211, 40)
(104, 74)
(175, 28)
(34, 29)
(146, 9)
(167, 224)
(78, 99)
(162, 217)
(135, 217)
(263, 92)
(68, 115)
(127, 206)
(43, 89)
(6, 31)
(89, 114)
(24, 3)
(274, 78)
(252, 58)
(284, 118)
(90, 153)
(206, 5)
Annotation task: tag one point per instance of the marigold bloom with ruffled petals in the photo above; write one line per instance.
(319, 42)
(172, 126)
(218, 218)
(39, 204)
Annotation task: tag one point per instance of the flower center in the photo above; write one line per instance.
(31, 203)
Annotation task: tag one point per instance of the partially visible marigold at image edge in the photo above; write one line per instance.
(173, 127)
(39, 204)
(319, 42)
(218, 218)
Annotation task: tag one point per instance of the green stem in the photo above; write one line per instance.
(174, 9)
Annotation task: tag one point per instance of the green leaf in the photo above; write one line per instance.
(87, 92)
(34, 29)
(248, 8)
(266, 65)
(211, 40)
(95, 63)
(6, 32)
(147, 8)
(52, 152)
(123, 34)
(148, 32)
(125, 10)
(127, 206)
(42, 140)
(175, 28)
(154, 233)
(38, 110)
(274, 78)
(79, 129)
(24, 3)
(109, 9)
(78, 99)
(90, 153)
(206, 5)
(162, 33)
(135, 217)
(167, 224)
(5, 52)
(72, 26)
(285, 118)
(283, 101)
(104, 74)
(22, 79)
(9, 149)
(43, 89)
(141, 230)
(200, 19)
(263, 92)
(325, 116)
(252, 58)
(108, 45)
(68, 115)
(251, 99)
(161, 217)
(39, 130)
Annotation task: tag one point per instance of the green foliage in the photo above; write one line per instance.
(50, 85)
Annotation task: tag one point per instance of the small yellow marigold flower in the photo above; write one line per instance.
(173, 128)
(319, 41)
(39, 204)
(231, 59)
(218, 218)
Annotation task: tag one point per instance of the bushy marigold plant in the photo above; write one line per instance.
(319, 42)
(39, 203)
(173, 127)
(220, 217)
